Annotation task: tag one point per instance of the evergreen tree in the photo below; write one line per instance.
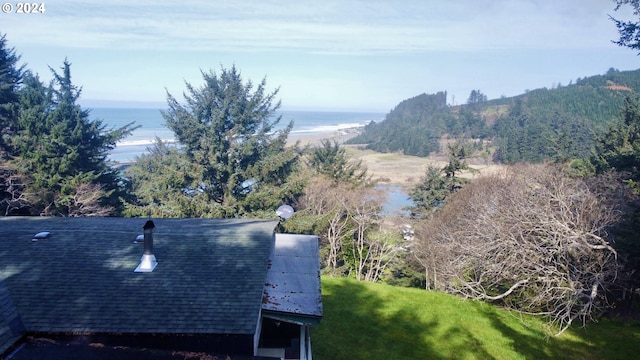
(227, 129)
(616, 160)
(619, 148)
(430, 192)
(470, 123)
(476, 97)
(457, 152)
(330, 159)
(61, 153)
(10, 79)
(164, 182)
(629, 30)
(438, 183)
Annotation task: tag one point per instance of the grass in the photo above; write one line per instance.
(377, 321)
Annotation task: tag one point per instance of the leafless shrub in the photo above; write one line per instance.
(349, 228)
(12, 196)
(531, 238)
(371, 247)
(86, 201)
(323, 201)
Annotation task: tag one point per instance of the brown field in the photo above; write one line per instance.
(406, 170)
(394, 168)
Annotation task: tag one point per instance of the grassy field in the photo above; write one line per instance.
(399, 169)
(376, 321)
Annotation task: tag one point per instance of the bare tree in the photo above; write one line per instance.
(532, 239)
(382, 250)
(430, 254)
(86, 201)
(337, 231)
(12, 196)
(323, 201)
(371, 247)
(363, 213)
(347, 221)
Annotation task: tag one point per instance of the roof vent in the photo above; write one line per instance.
(148, 261)
(284, 212)
(41, 236)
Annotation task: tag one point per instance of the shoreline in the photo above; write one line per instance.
(302, 138)
(316, 138)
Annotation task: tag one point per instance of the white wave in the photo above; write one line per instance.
(329, 128)
(140, 142)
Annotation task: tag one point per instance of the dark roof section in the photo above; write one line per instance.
(292, 291)
(81, 279)
(11, 328)
(78, 347)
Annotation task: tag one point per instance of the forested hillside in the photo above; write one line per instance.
(558, 123)
(414, 126)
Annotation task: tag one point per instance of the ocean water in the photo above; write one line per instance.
(152, 125)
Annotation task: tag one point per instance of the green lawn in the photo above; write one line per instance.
(376, 321)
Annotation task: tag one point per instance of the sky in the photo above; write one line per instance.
(334, 55)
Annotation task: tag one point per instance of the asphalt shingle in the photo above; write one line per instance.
(11, 328)
(209, 280)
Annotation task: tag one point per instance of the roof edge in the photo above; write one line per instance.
(298, 319)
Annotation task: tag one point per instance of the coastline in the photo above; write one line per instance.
(315, 138)
(385, 168)
(303, 139)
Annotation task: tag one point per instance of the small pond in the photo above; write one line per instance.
(397, 198)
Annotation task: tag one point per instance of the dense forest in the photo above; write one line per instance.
(414, 124)
(542, 124)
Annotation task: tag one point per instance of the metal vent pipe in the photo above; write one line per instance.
(148, 237)
(148, 261)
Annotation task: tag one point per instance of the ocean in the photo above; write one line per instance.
(304, 122)
(152, 125)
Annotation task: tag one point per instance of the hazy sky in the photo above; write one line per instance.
(335, 55)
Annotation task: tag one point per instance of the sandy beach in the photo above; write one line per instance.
(315, 138)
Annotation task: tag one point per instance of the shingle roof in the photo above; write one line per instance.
(11, 328)
(209, 279)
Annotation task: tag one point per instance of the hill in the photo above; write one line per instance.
(532, 127)
(413, 126)
(377, 321)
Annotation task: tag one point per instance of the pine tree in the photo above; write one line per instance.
(10, 79)
(228, 129)
(330, 159)
(61, 153)
(431, 191)
(438, 183)
(619, 148)
(629, 30)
